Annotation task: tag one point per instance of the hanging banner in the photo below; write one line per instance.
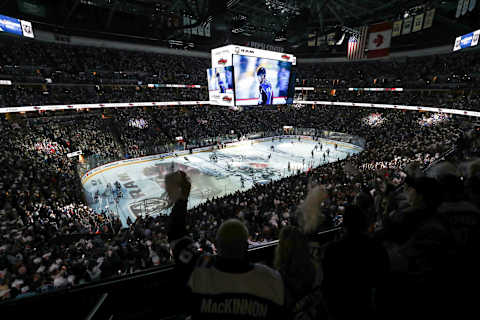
(472, 5)
(407, 25)
(397, 28)
(311, 39)
(429, 18)
(418, 22)
(459, 8)
(465, 6)
(331, 39)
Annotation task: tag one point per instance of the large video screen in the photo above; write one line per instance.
(220, 85)
(260, 81)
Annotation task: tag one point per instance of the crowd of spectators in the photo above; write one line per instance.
(457, 70)
(445, 100)
(410, 236)
(33, 62)
(43, 190)
(14, 96)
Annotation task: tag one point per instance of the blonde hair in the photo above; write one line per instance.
(292, 259)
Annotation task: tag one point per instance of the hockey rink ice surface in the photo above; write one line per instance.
(142, 181)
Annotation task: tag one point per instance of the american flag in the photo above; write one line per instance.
(356, 45)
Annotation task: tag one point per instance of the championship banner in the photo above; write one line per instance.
(407, 25)
(429, 18)
(379, 39)
(472, 5)
(397, 28)
(331, 39)
(311, 39)
(459, 8)
(186, 22)
(321, 40)
(465, 6)
(418, 22)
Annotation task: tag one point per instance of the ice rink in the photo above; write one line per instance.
(214, 174)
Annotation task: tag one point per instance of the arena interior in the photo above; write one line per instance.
(239, 159)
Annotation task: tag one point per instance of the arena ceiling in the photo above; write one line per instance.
(283, 23)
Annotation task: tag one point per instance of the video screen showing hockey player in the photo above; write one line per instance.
(220, 79)
(220, 85)
(260, 81)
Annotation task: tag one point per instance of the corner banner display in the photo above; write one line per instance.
(16, 26)
(467, 40)
(429, 18)
(417, 22)
(397, 28)
(379, 39)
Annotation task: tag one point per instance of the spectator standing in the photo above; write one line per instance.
(353, 267)
(227, 285)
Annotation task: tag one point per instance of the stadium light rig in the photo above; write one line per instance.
(282, 7)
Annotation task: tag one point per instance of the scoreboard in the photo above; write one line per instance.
(249, 76)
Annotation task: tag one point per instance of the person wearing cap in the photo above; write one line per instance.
(227, 285)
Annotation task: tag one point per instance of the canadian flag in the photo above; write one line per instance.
(379, 39)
